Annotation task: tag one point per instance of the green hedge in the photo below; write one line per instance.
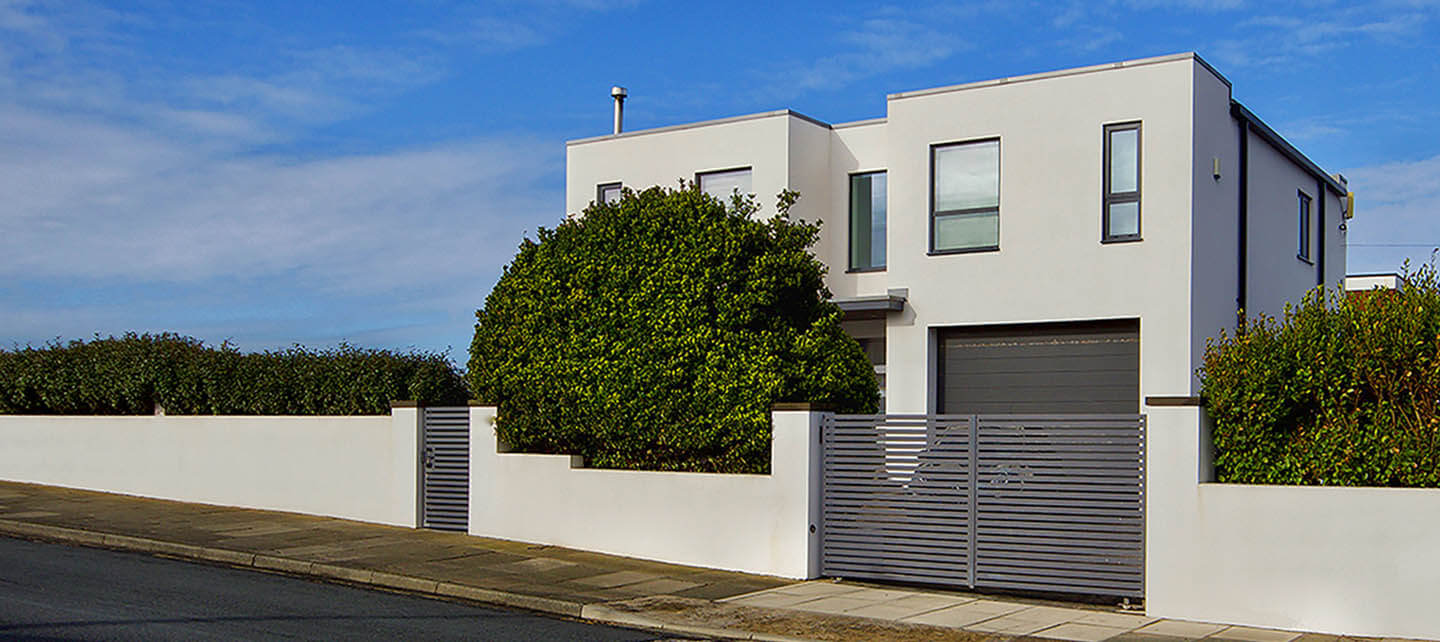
(1340, 391)
(128, 375)
(657, 332)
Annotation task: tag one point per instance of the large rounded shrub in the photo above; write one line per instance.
(1343, 390)
(656, 333)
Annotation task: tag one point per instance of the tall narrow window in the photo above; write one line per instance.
(1122, 183)
(607, 193)
(965, 197)
(1304, 228)
(724, 184)
(867, 221)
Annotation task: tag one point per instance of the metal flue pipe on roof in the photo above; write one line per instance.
(618, 93)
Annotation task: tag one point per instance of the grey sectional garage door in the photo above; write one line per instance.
(1090, 367)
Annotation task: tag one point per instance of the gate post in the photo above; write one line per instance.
(797, 463)
(405, 429)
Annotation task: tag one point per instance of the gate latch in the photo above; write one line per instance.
(429, 457)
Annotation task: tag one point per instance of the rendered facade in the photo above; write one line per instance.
(1062, 242)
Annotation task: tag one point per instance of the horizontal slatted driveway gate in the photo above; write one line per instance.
(445, 469)
(1023, 503)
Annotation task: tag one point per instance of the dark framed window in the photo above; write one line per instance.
(867, 221)
(1121, 203)
(607, 193)
(1304, 228)
(723, 184)
(965, 197)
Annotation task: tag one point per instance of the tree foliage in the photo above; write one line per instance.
(656, 333)
(1341, 391)
(129, 375)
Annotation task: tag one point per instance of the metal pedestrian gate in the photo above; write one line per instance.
(1024, 503)
(445, 468)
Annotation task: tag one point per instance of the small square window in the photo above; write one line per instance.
(608, 193)
(724, 184)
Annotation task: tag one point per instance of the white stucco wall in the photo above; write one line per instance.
(1215, 228)
(361, 468)
(751, 523)
(1276, 274)
(647, 158)
(854, 149)
(1051, 265)
(1356, 561)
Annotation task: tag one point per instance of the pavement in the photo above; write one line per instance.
(608, 589)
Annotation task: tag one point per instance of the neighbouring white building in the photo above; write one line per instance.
(1054, 243)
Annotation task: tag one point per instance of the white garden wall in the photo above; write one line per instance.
(1355, 561)
(361, 468)
(751, 523)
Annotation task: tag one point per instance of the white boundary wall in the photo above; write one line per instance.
(361, 468)
(1355, 561)
(751, 523)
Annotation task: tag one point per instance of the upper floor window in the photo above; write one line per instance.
(725, 183)
(1122, 183)
(607, 193)
(965, 198)
(867, 221)
(1304, 228)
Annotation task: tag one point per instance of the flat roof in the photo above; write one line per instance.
(704, 123)
(1060, 73)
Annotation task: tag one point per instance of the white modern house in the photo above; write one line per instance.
(1061, 242)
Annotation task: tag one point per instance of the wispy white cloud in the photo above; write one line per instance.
(93, 200)
(1395, 205)
(874, 46)
(1270, 40)
(128, 173)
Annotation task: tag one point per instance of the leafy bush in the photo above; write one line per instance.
(656, 333)
(130, 374)
(1342, 391)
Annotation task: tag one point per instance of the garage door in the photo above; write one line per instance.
(1090, 367)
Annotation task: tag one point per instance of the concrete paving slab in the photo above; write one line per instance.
(818, 589)
(967, 614)
(1006, 626)
(537, 565)
(618, 578)
(1179, 629)
(832, 604)
(771, 599)
(1024, 621)
(1080, 632)
(888, 611)
(719, 590)
(931, 602)
(879, 595)
(660, 586)
(1126, 621)
(1054, 615)
(29, 514)
(1249, 634)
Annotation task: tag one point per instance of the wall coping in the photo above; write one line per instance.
(1175, 400)
(800, 406)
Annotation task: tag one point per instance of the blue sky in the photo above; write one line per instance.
(274, 173)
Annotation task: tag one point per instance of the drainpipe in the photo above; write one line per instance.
(618, 93)
(1240, 285)
(1320, 233)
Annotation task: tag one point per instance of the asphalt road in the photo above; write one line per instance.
(57, 592)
